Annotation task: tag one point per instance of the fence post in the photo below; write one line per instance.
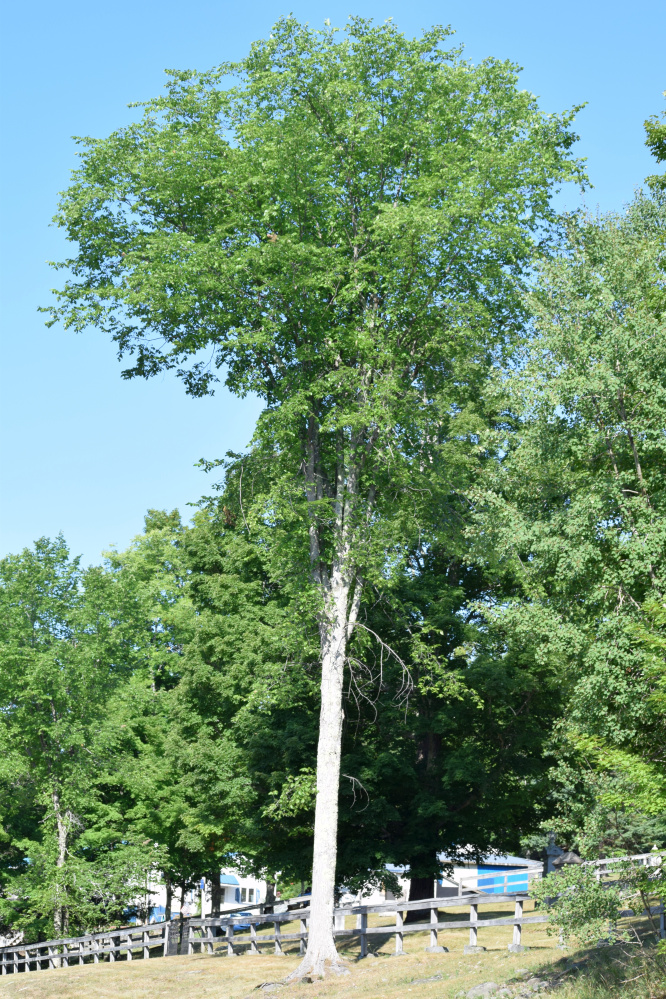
(210, 937)
(473, 931)
(399, 935)
(190, 939)
(516, 946)
(146, 944)
(662, 922)
(253, 939)
(364, 934)
(230, 939)
(278, 937)
(303, 935)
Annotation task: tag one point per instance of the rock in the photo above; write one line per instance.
(523, 973)
(536, 984)
(517, 948)
(437, 950)
(483, 990)
(473, 949)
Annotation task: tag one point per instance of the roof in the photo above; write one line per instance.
(228, 879)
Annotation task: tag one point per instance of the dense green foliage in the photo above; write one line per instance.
(577, 504)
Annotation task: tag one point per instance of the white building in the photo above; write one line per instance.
(494, 874)
(236, 889)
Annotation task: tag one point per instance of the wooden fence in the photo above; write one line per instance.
(130, 942)
(203, 935)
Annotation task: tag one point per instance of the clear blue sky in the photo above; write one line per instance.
(84, 452)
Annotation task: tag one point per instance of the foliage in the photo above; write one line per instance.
(456, 757)
(575, 507)
(656, 142)
(579, 905)
(318, 230)
(58, 675)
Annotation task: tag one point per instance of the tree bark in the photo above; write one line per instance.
(169, 897)
(270, 896)
(215, 893)
(336, 624)
(181, 919)
(418, 888)
(61, 912)
(321, 956)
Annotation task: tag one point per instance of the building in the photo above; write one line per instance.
(494, 874)
(236, 889)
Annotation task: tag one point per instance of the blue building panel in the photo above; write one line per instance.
(506, 882)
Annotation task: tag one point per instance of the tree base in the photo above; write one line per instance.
(313, 968)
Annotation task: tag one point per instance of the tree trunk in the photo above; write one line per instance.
(181, 920)
(169, 897)
(418, 888)
(270, 896)
(321, 956)
(215, 893)
(61, 912)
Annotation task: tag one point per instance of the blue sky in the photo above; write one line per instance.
(82, 451)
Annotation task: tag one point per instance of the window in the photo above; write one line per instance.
(243, 894)
(250, 895)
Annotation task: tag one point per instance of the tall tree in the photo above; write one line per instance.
(342, 232)
(577, 505)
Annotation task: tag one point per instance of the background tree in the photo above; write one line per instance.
(576, 507)
(66, 862)
(342, 231)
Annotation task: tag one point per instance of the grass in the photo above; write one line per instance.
(628, 971)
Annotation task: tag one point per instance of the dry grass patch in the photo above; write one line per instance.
(416, 975)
